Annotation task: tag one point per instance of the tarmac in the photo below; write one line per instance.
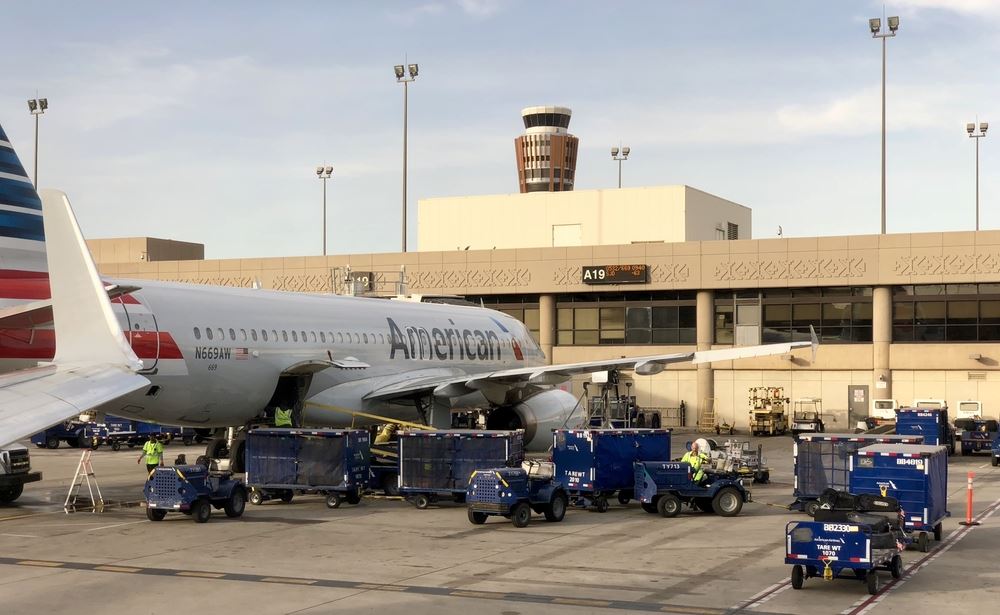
(384, 556)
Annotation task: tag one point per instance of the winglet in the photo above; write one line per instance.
(86, 328)
(814, 342)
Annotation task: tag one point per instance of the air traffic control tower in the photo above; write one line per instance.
(546, 152)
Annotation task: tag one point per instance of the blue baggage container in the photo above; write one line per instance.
(822, 461)
(594, 464)
(438, 463)
(916, 475)
(333, 462)
(931, 423)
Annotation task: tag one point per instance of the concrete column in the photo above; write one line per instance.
(881, 339)
(547, 324)
(705, 337)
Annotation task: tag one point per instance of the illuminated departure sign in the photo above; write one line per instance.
(615, 274)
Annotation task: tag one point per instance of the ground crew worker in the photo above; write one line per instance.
(385, 434)
(152, 450)
(282, 417)
(695, 459)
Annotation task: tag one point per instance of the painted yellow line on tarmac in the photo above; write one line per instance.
(117, 569)
(287, 580)
(581, 602)
(31, 562)
(462, 593)
(201, 575)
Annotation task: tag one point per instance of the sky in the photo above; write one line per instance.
(205, 121)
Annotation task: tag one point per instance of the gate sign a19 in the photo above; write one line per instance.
(615, 274)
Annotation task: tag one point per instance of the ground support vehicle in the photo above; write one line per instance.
(741, 459)
(807, 416)
(931, 423)
(829, 549)
(978, 435)
(332, 462)
(73, 433)
(823, 461)
(437, 464)
(193, 490)
(15, 472)
(914, 474)
(596, 464)
(665, 486)
(883, 412)
(514, 493)
(767, 411)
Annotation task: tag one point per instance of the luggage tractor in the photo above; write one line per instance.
(193, 490)
(514, 493)
(665, 486)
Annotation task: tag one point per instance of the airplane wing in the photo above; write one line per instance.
(490, 382)
(93, 363)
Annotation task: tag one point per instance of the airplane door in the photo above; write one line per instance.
(142, 334)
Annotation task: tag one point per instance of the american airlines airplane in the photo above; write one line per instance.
(212, 357)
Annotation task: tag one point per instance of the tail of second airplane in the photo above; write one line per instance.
(23, 268)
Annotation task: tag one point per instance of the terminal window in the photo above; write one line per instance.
(946, 313)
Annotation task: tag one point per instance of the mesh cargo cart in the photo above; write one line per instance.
(822, 461)
(829, 549)
(596, 464)
(331, 462)
(916, 475)
(931, 423)
(438, 464)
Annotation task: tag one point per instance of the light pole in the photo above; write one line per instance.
(614, 156)
(402, 78)
(324, 173)
(876, 25)
(971, 129)
(37, 106)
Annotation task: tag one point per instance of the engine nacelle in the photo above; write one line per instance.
(537, 416)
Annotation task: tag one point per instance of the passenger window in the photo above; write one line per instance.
(232, 335)
(381, 339)
(357, 338)
(222, 335)
(253, 334)
(364, 337)
(303, 337)
(284, 335)
(197, 333)
(263, 334)
(313, 335)
(274, 334)
(340, 338)
(208, 332)
(243, 334)
(295, 336)
(322, 337)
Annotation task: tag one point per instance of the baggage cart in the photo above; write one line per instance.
(193, 490)
(822, 461)
(514, 493)
(829, 549)
(665, 486)
(915, 474)
(931, 423)
(596, 464)
(436, 464)
(331, 462)
(977, 435)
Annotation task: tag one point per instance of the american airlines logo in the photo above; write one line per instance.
(446, 344)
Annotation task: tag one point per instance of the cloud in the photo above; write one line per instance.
(480, 8)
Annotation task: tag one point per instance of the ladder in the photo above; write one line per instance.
(84, 476)
(706, 420)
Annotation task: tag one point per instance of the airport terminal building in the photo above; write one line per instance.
(652, 270)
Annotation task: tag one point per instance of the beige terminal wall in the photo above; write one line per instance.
(604, 217)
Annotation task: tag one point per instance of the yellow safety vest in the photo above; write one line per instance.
(153, 451)
(282, 418)
(695, 461)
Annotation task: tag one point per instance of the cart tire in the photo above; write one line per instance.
(477, 518)
(556, 509)
(352, 498)
(601, 504)
(762, 477)
(624, 497)
(728, 502)
(520, 516)
(798, 576)
(188, 440)
(256, 497)
(116, 445)
(650, 508)
(938, 531)
(201, 511)
(422, 501)
(52, 442)
(286, 496)
(390, 484)
(333, 500)
(155, 514)
(236, 503)
(669, 505)
(811, 507)
(922, 541)
(872, 581)
(11, 493)
(896, 567)
(704, 504)
(995, 461)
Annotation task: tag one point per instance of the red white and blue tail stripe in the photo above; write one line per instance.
(23, 268)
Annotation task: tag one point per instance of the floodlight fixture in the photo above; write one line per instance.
(970, 128)
(399, 71)
(875, 24)
(893, 23)
(614, 152)
(413, 68)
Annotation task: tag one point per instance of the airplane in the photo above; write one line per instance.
(218, 357)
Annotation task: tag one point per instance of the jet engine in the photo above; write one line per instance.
(537, 416)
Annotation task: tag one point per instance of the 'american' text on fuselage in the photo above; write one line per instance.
(443, 344)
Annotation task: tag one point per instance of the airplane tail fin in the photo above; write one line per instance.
(23, 269)
(86, 328)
